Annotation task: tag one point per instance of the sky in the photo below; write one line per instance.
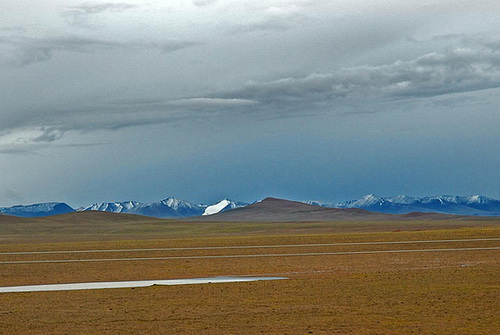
(201, 100)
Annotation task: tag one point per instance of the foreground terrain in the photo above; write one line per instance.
(343, 278)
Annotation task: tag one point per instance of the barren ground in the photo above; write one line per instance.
(445, 292)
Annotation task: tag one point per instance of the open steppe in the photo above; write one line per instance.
(343, 277)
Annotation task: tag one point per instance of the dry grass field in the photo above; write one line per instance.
(439, 292)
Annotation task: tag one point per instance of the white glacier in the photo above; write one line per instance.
(214, 209)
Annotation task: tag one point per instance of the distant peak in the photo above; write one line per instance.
(171, 200)
(273, 199)
(478, 199)
(371, 196)
(370, 199)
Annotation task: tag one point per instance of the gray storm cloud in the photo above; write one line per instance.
(50, 126)
(462, 69)
(458, 70)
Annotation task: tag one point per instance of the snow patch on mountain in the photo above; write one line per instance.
(218, 207)
(222, 206)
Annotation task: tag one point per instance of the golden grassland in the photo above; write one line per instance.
(405, 293)
(101, 226)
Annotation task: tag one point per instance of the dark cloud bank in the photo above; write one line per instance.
(458, 70)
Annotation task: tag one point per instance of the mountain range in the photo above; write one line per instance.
(167, 208)
(403, 204)
(280, 210)
(175, 208)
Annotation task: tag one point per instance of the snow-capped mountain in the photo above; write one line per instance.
(401, 204)
(35, 210)
(222, 206)
(167, 208)
(115, 207)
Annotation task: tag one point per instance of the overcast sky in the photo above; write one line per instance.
(307, 100)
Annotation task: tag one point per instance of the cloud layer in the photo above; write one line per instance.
(290, 97)
(473, 66)
(458, 70)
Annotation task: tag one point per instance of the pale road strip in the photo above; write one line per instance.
(247, 256)
(128, 284)
(248, 246)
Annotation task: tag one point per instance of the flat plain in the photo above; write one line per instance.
(343, 277)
